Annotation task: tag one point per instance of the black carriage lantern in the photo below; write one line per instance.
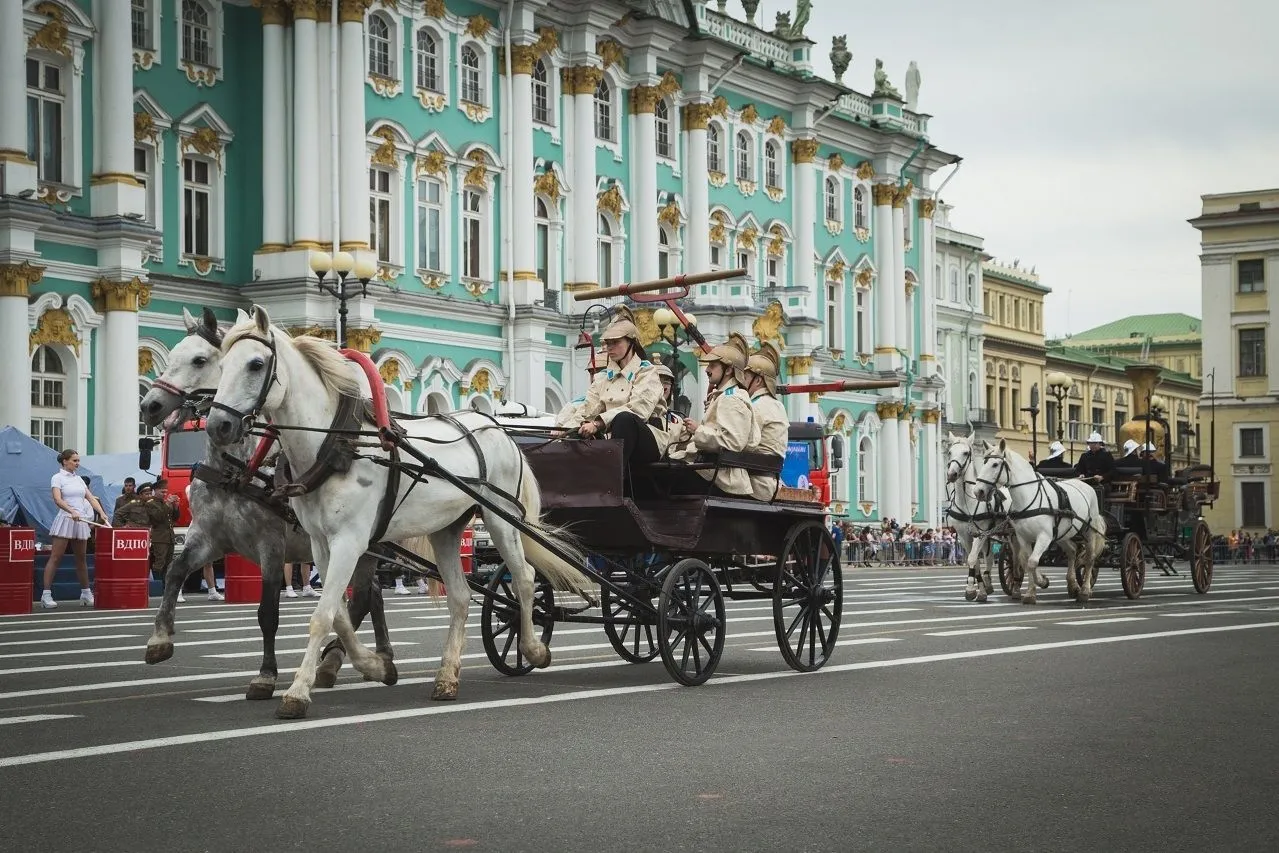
(674, 333)
(1033, 411)
(1059, 385)
(343, 264)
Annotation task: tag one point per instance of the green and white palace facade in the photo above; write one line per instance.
(492, 160)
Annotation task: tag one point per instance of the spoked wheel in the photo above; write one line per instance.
(690, 622)
(808, 598)
(633, 636)
(1201, 556)
(500, 621)
(1132, 565)
(1010, 574)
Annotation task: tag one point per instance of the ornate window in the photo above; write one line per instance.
(472, 90)
(663, 253)
(473, 242)
(46, 108)
(745, 151)
(381, 54)
(972, 289)
(662, 128)
(859, 207)
(542, 240)
(144, 171)
(140, 13)
(380, 207)
(605, 252)
(866, 490)
(428, 61)
(604, 111)
(48, 398)
(197, 207)
(198, 34)
(714, 149)
(832, 199)
(861, 329)
(430, 225)
(772, 174)
(834, 310)
(541, 93)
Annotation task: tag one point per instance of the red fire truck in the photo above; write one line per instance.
(811, 458)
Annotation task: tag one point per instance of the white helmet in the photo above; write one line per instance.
(1129, 446)
(1149, 448)
(1096, 438)
(1056, 449)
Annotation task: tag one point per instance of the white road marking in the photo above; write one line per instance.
(35, 718)
(864, 641)
(965, 631)
(1204, 613)
(1103, 621)
(575, 696)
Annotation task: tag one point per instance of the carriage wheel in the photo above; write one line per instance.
(808, 597)
(1201, 557)
(690, 622)
(1010, 574)
(500, 622)
(1132, 566)
(632, 635)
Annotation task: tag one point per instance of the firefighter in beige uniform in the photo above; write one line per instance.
(666, 424)
(624, 396)
(728, 421)
(770, 432)
(567, 416)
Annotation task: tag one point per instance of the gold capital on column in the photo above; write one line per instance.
(799, 365)
(931, 416)
(363, 339)
(696, 116)
(804, 150)
(352, 11)
(901, 194)
(883, 193)
(887, 409)
(16, 279)
(927, 207)
(305, 10)
(523, 58)
(585, 78)
(644, 99)
(274, 12)
(120, 295)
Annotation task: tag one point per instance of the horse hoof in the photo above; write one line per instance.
(981, 596)
(970, 594)
(390, 675)
(990, 587)
(260, 688)
(1084, 596)
(159, 652)
(444, 692)
(1029, 601)
(326, 674)
(291, 709)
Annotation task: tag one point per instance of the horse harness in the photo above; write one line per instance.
(1043, 506)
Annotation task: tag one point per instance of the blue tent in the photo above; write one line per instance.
(26, 467)
(113, 468)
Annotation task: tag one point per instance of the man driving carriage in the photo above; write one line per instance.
(1096, 464)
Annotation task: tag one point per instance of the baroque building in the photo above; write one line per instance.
(1239, 239)
(162, 154)
(961, 325)
(1015, 352)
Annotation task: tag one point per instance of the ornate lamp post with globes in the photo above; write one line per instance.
(668, 326)
(343, 264)
(1059, 385)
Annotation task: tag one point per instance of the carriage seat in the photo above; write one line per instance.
(1194, 472)
(751, 463)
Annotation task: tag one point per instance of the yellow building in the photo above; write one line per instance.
(1013, 301)
(1239, 260)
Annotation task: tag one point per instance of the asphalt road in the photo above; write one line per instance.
(938, 725)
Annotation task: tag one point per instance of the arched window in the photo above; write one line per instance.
(197, 33)
(48, 398)
(542, 241)
(772, 175)
(859, 208)
(714, 149)
(541, 93)
(604, 111)
(472, 91)
(663, 253)
(832, 199)
(380, 53)
(866, 470)
(474, 232)
(662, 126)
(972, 289)
(605, 259)
(437, 403)
(745, 156)
(954, 284)
(428, 61)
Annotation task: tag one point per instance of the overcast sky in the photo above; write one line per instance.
(1088, 128)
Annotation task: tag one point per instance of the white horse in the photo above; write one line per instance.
(974, 520)
(298, 383)
(1044, 512)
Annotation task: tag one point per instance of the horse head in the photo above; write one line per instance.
(993, 466)
(248, 366)
(192, 371)
(959, 454)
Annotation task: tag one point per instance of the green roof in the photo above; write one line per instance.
(1089, 358)
(1161, 328)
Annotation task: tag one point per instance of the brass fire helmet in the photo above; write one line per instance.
(1144, 377)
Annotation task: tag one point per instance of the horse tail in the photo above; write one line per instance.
(562, 574)
(421, 545)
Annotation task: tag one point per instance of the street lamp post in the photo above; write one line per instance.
(343, 264)
(1059, 385)
(669, 327)
(1033, 411)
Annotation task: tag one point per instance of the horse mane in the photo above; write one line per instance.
(330, 365)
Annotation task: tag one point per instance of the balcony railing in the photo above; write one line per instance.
(981, 416)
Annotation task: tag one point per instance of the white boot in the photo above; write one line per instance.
(400, 589)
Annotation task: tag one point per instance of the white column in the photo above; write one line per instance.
(116, 364)
(15, 328)
(887, 469)
(274, 162)
(322, 136)
(644, 198)
(306, 117)
(17, 173)
(114, 191)
(804, 214)
(568, 117)
(932, 469)
(582, 224)
(526, 380)
(528, 289)
(902, 315)
(697, 247)
(928, 288)
(353, 184)
(886, 357)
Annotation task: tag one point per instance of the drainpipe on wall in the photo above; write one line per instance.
(508, 242)
(901, 176)
(335, 159)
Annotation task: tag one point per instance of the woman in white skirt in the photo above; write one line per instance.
(76, 507)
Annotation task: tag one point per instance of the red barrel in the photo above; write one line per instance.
(17, 569)
(243, 580)
(121, 568)
(468, 549)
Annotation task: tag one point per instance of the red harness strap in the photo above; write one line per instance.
(381, 413)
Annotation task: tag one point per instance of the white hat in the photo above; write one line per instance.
(1056, 449)
(1129, 446)
(1150, 448)
(1095, 438)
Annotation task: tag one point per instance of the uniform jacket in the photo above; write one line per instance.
(567, 416)
(770, 433)
(727, 426)
(1096, 463)
(634, 387)
(162, 518)
(666, 426)
(133, 513)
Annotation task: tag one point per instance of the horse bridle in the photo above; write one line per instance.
(248, 417)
